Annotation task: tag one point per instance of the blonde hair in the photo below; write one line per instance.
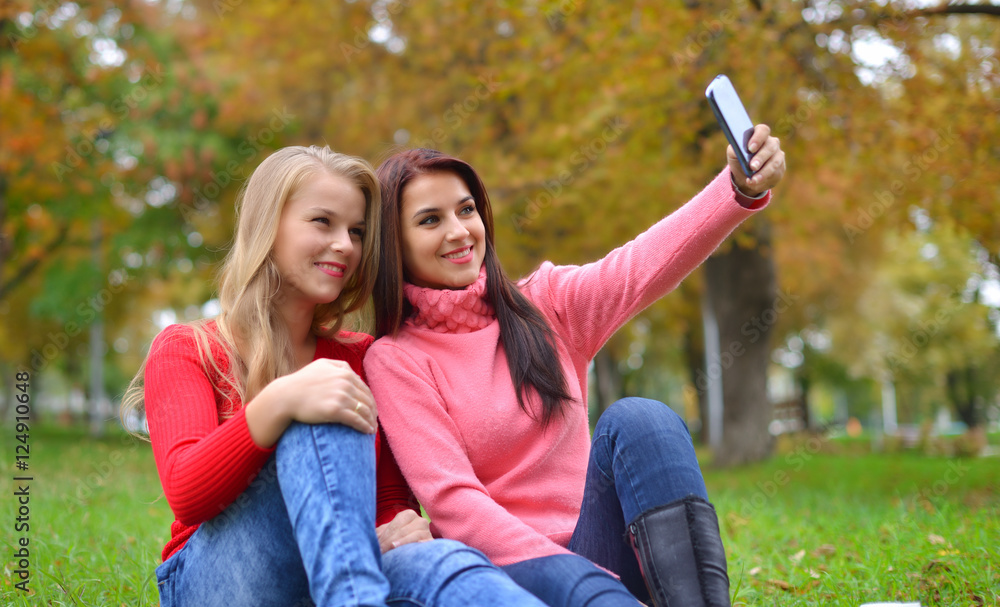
(249, 330)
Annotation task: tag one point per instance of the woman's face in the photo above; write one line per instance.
(318, 247)
(444, 239)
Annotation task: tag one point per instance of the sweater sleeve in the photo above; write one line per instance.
(587, 304)
(433, 459)
(203, 465)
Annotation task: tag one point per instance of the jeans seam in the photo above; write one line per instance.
(331, 495)
(611, 457)
(631, 485)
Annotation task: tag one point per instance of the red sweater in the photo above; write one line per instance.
(205, 461)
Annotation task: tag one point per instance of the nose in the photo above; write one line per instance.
(456, 229)
(341, 242)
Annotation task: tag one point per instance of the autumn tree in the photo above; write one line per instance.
(108, 176)
(588, 123)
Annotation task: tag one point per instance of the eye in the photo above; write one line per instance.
(359, 232)
(324, 220)
(468, 209)
(429, 220)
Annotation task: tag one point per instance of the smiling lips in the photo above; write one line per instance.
(332, 268)
(463, 255)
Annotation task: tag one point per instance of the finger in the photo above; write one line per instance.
(364, 412)
(365, 407)
(365, 396)
(355, 420)
(405, 517)
(770, 148)
(417, 524)
(772, 172)
(760, 134)
(410, 538)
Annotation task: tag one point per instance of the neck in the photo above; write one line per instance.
(451, 311)
(298, 319)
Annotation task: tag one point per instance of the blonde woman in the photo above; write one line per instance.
(264, 432)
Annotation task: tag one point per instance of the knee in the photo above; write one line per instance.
(644, 415)
(450, 557)
(437, 559)
(299, 435)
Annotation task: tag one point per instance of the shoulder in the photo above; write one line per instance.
(391, 360)
(393, 348)
(347, 346)
(354, 342)
(538, 284)
(175, 338)
(185, 341)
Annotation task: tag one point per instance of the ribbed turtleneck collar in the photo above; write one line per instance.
(451, 311)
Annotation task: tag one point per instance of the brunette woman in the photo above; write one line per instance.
(482, 387)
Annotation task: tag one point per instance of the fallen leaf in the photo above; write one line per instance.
(935, 539)
(797, 557)
(780, 584)
(825, 550)
(755, 570)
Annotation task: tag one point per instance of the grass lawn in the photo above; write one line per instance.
(809, 527)
(814, 527)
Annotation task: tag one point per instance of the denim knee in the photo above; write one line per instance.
(321, 439)
(642, 414)
(439, 558)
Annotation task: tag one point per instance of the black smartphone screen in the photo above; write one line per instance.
(732, 117)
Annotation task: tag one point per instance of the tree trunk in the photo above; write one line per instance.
(742, 291)
(962, 394)
(694, 356)
(965, 393)
(608, 379)
(804, 383)
(97, 396)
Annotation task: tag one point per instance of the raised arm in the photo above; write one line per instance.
(587, 304)
(430, 452)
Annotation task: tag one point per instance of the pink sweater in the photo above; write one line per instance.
(487, 474)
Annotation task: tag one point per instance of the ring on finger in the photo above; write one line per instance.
(357, 408)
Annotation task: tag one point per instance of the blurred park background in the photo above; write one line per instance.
(860, 310)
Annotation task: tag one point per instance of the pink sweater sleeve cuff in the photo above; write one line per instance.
(752, 203)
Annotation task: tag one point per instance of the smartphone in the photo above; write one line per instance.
(732, 117)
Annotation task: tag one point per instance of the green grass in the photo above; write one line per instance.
(97, 520)
(812, 527)
(809, 527)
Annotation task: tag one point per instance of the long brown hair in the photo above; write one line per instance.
(526, 337)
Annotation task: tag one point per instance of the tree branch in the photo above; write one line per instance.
(26, 270)
(992, 10)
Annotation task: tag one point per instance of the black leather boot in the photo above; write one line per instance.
(681, 555)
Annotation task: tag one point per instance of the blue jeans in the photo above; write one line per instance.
(641, 457)
(303, 533)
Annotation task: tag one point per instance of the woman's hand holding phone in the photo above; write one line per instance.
(768, 163)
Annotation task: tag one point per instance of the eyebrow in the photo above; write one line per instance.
(437, 210)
